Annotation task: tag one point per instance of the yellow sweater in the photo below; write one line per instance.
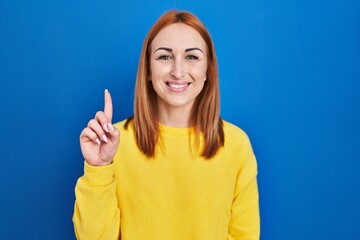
(176, 196)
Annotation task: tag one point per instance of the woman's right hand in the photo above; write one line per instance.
(100, 139)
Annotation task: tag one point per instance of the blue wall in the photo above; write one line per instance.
(289, 73)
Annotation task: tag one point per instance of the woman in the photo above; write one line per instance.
(177, 170)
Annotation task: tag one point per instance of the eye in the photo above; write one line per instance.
(192, 57)
(164, 57)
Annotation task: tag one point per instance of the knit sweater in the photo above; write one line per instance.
(178, 195)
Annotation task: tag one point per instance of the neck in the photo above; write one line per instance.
(178, 117)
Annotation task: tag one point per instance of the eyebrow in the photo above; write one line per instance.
(186, 50)
(163, 48)
(192, 49)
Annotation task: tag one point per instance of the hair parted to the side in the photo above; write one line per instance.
(205, 115)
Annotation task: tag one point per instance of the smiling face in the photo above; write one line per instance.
(178, 64)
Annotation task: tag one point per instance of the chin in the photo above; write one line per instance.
(179, 103)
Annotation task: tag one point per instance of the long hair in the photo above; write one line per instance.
(205, 116)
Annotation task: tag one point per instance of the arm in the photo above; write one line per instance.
(245, 219)
(96, 212)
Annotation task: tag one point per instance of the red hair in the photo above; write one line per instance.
(205, 116)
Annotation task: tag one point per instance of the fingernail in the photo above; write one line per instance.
(98, 141)
(111, 127)
(106, 90)
(105, 128)
(105, 138)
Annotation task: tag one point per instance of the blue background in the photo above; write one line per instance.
(289, 73)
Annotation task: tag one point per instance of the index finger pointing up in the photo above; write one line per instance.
(108, 108)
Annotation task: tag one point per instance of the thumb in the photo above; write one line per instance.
(114, 134)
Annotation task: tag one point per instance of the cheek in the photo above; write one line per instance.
(157, 71)
(151, 71)
(199, 72)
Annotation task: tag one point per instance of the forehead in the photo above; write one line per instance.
(178, 35)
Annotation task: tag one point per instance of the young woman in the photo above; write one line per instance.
(175, 170)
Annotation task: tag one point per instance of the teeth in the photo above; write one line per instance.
(177, 85)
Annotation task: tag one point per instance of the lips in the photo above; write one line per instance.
(177, 86)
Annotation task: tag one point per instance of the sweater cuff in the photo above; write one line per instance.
(98, 176)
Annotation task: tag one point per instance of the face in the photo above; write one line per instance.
(178, 65)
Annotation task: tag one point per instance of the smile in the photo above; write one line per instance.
(177, 87)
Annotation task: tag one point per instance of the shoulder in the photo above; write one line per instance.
(126, 127)
(125, 124)
(127, 136)
(238, 145)
(236, 139)
(234, 133)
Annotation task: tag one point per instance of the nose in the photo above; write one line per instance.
(178, 69)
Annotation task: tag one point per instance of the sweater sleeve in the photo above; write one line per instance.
(245, 219)
(96, 211)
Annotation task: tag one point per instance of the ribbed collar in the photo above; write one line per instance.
(177, 132)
